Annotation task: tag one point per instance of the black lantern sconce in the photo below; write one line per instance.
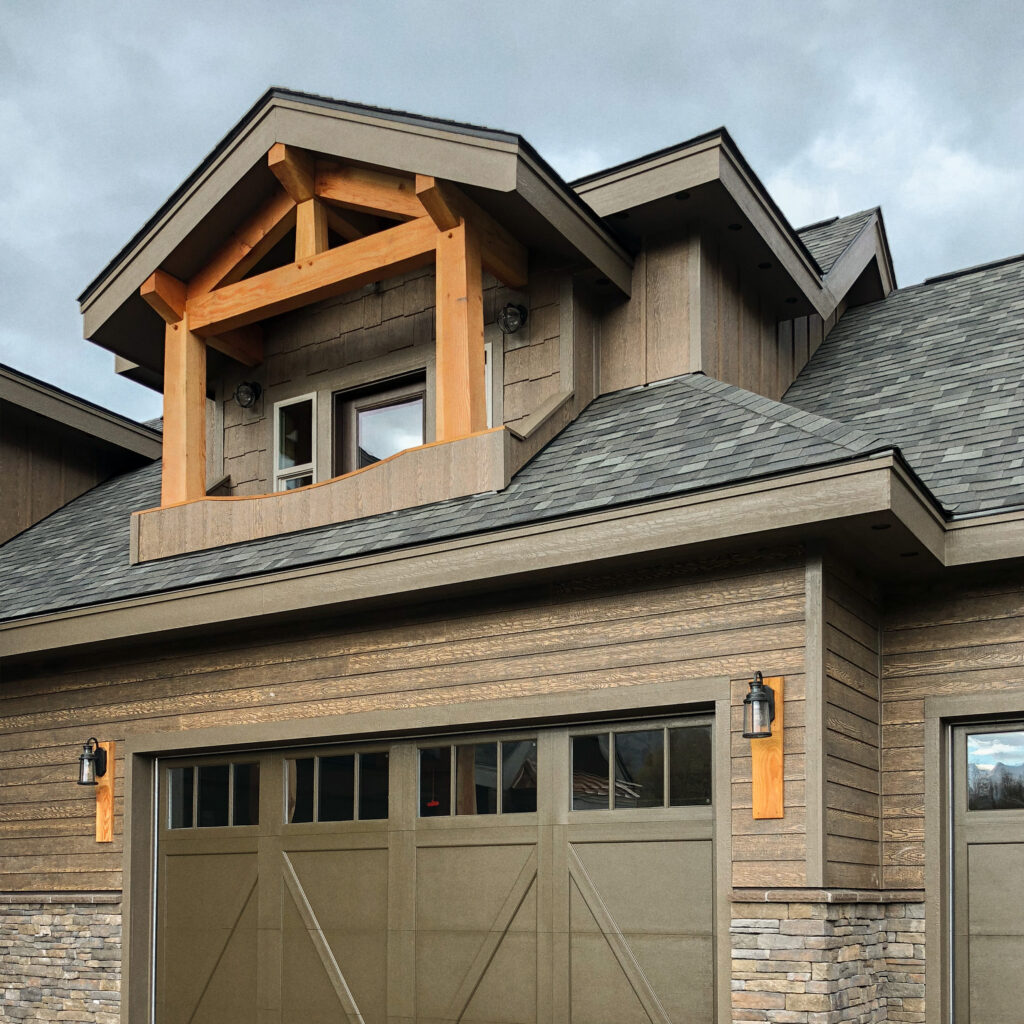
(511, 317)
(247, 393)
(92, 763)
(758, 710)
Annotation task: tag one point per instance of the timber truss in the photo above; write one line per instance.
(427, 220)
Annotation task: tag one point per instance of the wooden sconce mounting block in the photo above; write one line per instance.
(767, 761)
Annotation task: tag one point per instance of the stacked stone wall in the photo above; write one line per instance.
(60, 959)
(828, 963)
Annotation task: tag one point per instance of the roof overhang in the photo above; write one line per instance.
(872, 505)
(500, 171)
(77, 414)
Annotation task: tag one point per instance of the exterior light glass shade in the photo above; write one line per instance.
(758, 710)
(511, 317)
(92, 763)
(247, 393)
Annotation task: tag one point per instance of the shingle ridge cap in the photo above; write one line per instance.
(838, 217)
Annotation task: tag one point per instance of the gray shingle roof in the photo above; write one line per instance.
(684, 434)
(829, 239)
(939, 369)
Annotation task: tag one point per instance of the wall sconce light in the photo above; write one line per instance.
(511, 317)
(247, 393)
(758, 710)
(92, 763)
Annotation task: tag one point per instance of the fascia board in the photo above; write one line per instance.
(868, 245)
(816, 496)
(985, 539)
(68, 411)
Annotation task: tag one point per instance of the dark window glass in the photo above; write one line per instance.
(590, 772)
(476, 778)
(435, 781)
(213, 795)
(296, 481)
(300, 790)
(337, 788)
(246, 806)
(689, 758)
(295, 434)
(518, 776)
(640, 769)
(388, 429)
(995, 771)
(373, 786)
(180, 786)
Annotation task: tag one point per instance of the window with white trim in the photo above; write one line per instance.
(294, 442)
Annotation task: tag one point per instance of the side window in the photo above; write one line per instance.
(294, 443)
(213, 795)
(371, 424)
(337, 787)
(995, 771)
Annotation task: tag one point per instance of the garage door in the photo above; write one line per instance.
(988, 868)
(546, 875)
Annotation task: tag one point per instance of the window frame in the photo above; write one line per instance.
(306, 468)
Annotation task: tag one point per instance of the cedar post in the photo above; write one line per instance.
(184, 447)
(461, 403)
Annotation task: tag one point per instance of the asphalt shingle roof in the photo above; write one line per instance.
(939, 369)
(684, 434)
(830, 239)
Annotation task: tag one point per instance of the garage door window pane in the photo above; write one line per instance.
(213, 795)
(640, 768)
(518, 776)
(435, 781)
(246, 797)
(180, 783)
(337, 788)
(590, 772)
(689, 752)
(995, 771)
(476, 778)
(373, 786)
(300, 790)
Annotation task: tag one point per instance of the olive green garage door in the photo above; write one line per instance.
(988, 873)
(549, 875)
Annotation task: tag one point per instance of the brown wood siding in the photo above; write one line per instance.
(726, 617)
(852, 644)
(938, 641)
(44, 465)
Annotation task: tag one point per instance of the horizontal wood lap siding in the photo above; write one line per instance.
(727, 617)
(948, 641)
(852, 642)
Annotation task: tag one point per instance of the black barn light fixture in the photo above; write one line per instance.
(92, 763)
(247, 393)
(511, 317)
(758, 709)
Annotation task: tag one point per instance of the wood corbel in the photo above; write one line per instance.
(766, 755)
(166, 295)
(447, 205)
(294, 169)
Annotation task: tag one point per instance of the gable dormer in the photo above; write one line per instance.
(348, 267)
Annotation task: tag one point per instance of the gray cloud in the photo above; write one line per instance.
(106, 107)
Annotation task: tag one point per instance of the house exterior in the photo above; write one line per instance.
(421, 655)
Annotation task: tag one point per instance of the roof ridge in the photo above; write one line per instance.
(842, 435)
(838, 217)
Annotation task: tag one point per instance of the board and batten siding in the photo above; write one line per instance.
(672, 623)
(953, 640)
(852, 642)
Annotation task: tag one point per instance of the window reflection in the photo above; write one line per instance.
(300, 789)
(476, 778)
(518, 776)
(690, 765)
(995, 771)
(387, 430)
(295, 434)
(435, 781)
(640, 768)
(590, 787)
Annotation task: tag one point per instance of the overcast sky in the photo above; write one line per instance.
(105, 107)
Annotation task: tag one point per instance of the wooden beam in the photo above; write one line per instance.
(244, 344)
(184, 444)
(767, 761)
(294, 168)
(166, 295)
(105, 797)
(330, 273)
(460, 406)
(247, 245)
(310, 229)
(502, 254)
(350, 224)
(389, 195)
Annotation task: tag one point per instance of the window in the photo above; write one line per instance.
(995, 771)
(294, 443)
(660, 766)
(338, 787)
(375, 423)
(496, 777)
(214, 795)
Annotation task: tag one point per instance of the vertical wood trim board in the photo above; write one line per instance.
(767, 758)
(105, 798)
(815, 720)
